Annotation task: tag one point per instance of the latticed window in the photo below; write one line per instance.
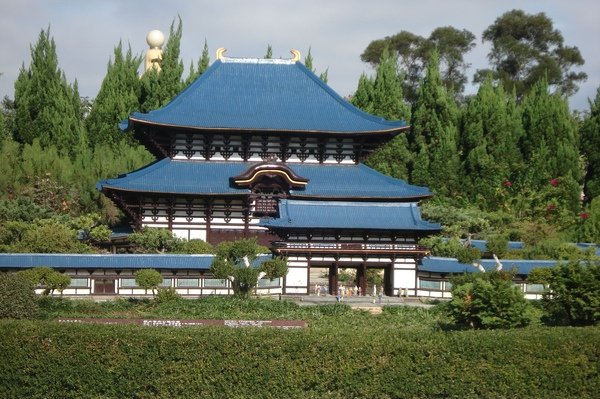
(265, 205)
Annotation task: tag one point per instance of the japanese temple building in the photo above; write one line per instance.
(264, 148)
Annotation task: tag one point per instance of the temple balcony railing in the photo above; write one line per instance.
(283, 248)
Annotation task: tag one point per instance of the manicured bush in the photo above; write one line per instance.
(148, 279)
(17, 296)
(488, 300)
(52, 360)
(573, 294)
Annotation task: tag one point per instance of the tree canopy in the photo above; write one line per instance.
(413, 52)
(527, 48)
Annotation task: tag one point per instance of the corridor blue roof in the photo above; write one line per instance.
(257, 94)
(213, 177)
(436, 264)
(106, 261)
(111, 261)
(349, 215)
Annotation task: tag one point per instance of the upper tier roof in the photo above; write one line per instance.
(214, 178)
(349, 215)
(262, 95)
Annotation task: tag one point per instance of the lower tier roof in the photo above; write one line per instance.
(436, 264)
(349, 215)
(214, 178)
(111, 261)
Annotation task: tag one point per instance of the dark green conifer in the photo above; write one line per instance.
(203, 63)
(550, 144)
(117, 98)
(46, 106)
(590, 147)
(158, 88)
(489, 144)
(434, 135)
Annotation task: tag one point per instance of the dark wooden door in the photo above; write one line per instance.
(104, 286)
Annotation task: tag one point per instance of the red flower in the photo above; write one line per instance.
(554, 182)
(584, 215)
(551, 207)
(507, 183)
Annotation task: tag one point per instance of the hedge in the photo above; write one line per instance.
(42, 359)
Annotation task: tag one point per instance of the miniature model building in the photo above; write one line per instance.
(263, 148)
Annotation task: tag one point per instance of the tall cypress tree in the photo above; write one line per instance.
(117, 98)
(547, 119)
(363, 97)
(489, 143)
(434, 134)
(269, 53)
(46, 106)
(590, 147)
(550, 144)
(203, 63)
(382, 96)
(158, 88)
(308, 63)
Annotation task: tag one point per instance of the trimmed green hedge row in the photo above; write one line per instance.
(52, 360)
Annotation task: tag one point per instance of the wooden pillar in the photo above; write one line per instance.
(333, 279)
(388, 280)
(361, 275)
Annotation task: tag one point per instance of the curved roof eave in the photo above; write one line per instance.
(130, 123)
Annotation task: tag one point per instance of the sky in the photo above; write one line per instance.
(336, 31)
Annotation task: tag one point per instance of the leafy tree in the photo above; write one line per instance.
(117, 98)
(49, 236)
(235, 261)
(47, 278)
(497, 244)
(527, 48)
(46, 106)
(488, 301)
(489, 141)
(452, 45)
(573, 294)
(22, 209)
(203, 63)
(158, 88)
(148, 279)
(17, 297)
(58, 282)
(590, 142)
(197, 247)
(155, 240)
(413, 53)
(434, 135)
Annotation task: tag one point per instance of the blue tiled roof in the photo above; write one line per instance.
(110, 261)
(263, 95)
(450, 265)
(345, 215)
(106, 261)
(213, 177)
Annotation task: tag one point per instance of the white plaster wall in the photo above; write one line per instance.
(297, 277)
